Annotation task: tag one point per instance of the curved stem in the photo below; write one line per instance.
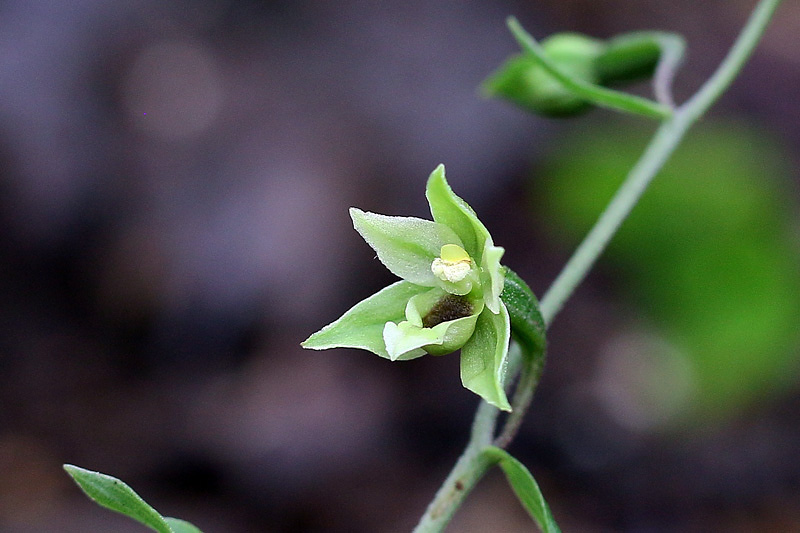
(473, 464)
(672, 48)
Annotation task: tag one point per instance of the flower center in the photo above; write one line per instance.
(449, 307)
(453, 265)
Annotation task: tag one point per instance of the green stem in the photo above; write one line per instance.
(660, 148)
(473, 464)
(523, 395)
(466, 473)
(730, 67)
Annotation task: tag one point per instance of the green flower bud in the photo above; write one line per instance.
(627, 58)
(523, 81)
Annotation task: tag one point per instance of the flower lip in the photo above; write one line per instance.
(449, 307)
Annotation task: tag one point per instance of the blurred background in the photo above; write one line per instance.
(175, 178)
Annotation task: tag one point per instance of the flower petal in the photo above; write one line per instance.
(362, 326)
(406, 339)
(492, 276)
(403, 340)
(452, 211)
(405, 245)
(484, 358)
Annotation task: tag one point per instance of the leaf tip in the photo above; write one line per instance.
(317, 340)
(77, 473)
(355, 213)
(502, 404)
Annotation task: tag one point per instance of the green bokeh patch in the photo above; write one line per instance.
(710, 254)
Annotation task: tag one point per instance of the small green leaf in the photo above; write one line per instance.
(181, 526)
(116, 495)
(406, 245)
(525, 488)
(362, 326)
(455, 213)
(485, 356)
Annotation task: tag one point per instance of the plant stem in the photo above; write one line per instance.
(466, 473)
(660, 148)
(730, 67)
(523, 395)
(473, 464)
(672, 48)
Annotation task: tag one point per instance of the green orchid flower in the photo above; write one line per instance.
(448, 298)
